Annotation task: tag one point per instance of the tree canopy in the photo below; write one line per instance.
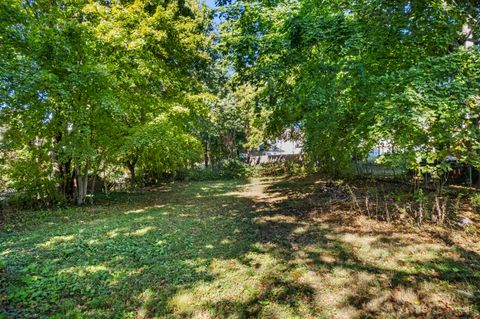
(353, 73)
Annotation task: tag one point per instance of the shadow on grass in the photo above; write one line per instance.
(446, 269)
(211, 250)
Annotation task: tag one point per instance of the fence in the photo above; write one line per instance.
(377, 170)
(264, 159)
(6, 194)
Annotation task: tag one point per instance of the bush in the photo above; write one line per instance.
(33, 185)
(234, 169)
(289, 168)
(229, 169)
(47, 195)
(475, 201)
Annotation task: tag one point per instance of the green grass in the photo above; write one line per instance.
(228, 249)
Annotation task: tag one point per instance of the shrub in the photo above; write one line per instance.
(234, 169)
(289, 168)
(33, 185)
(229, 169)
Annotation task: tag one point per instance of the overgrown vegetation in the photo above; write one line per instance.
(356, 74)
(146, 114)
(100, 92)
(229, 169)
(289, 168)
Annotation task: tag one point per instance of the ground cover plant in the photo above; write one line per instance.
(267, 247)
(128, 131)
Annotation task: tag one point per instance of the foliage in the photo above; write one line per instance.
(352, 74)
(235, 169)
(234, 124)
(214, 248)
(86, 86)
(150, 88)
(229, 169)
(32, 182)
(161, 146)
(289, 168)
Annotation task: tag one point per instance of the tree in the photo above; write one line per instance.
(54, 92)
(159, 56)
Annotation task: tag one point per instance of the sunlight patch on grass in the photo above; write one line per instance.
(357, 240)
(265, 247)
(437, 295)
(55, 241)
(143, 231)
(300, 230)
(377, 301)
(390, 252)
(116, 232)
(275, 310)
(203, 315)
(7, 252)
(136, 211)
(424, 251)
(405, 296)
(275, 219)
(226, 241)
(328, 259)
(247, 255)
(339, 293)
(85, 270)
(199, 264)
(146, 298)
(236, 283)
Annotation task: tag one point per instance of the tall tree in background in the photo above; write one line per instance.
(159, 56)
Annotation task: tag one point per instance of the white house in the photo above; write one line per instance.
(284, 147)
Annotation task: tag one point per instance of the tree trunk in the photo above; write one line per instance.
(205, 154)
(92, 189)
(67, 179)
(470, 179)
(67, 176)
(82, 185)
(131, 168)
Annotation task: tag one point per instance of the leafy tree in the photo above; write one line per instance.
(159, 57)
(354, 73)
(54, 92)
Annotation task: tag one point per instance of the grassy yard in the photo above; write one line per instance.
(263, 248)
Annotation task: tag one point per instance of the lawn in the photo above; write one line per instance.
(262, 248)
